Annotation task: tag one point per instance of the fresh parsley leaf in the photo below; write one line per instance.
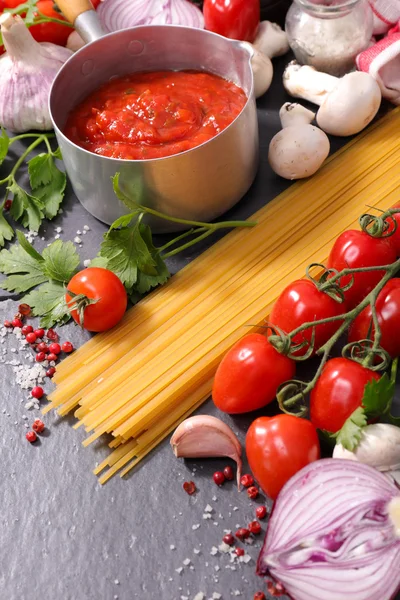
(48, 183)
(135, 191)
(378, 396)
(60, 261)
(25, 208)
(4, 145)
(6, 231)
(28, 247)
(127, 254)
(351, 433)
(24, 272)
(99, 261)
(123, 221)
(57, 153)
(48, 302)
(147, 281)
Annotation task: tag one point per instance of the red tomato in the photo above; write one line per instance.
(338, 393)
(236, 19)
(95, 3)
(388, 312)
(50, 32)
(108, 289)
(11, 3)
(355, 249)
(302, 302)
(249, 375)
(278, 447)
(395, 238)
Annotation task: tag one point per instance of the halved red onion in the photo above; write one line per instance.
(334, 534)
(120, 14)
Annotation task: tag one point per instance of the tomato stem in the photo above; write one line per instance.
(292, 394)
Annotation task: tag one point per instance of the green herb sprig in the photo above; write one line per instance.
(47, 184)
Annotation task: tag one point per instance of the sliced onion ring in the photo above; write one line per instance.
(331, 537)
(115, 15)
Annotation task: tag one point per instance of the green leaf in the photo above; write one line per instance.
(28, 247)
(123, 221)
(378, 396)
(4, 145)
(99, 261)
(137, 191)
(127, 254)
(25, 208)
(57, 153)
(351, 433)
(48, 302)
(24, 272)
(48, 183)
(60, 261)
(147, 281)
(6, 231)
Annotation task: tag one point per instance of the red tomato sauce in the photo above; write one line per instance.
(153, 115)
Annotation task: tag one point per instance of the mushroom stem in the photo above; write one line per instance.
(271, 40)
(295, 114)
(307, 83)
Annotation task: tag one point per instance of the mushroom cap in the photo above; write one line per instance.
(263, 72)
(351, 105)
(298, 151)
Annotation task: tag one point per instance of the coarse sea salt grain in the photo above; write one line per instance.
(214, 551)
(196, 551)
(224, 548)
(187, 562)
(172, 547)
(86, 228)
(207, 516)
(86, 262)
(77, 240)
(196, 526)
(179, 570)
(208, 509)
(199, 596)
(216, 596)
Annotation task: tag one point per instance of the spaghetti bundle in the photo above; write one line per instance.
(141, 379)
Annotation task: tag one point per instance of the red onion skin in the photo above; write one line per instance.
(115, 15)
(301, 480)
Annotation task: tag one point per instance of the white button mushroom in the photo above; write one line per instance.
(347, 104)
(271, 41)
(379, 447)
(299, 150)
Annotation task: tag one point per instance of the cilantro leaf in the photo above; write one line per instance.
(25, 208)
(350, 434)
(4, 145)
(135, 191)
(48, 302)
(28, 247)
(60, 261)
(147, 281)
(24, 272)
(6, 231)
(378, 396)
(127, 253)
(48, 183)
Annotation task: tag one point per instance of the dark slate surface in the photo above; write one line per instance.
(63, 536)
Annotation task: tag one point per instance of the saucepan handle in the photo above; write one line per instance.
(82, 15)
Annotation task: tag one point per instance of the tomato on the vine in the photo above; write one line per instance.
(302, 302)
(388, 312)
(395, 237)
(102, 285)
(50, 32)
(338, 393)
(355, 249)
(236, 19)
(250, 374)
(11, 3)
(278, 447)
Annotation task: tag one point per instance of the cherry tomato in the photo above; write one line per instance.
(50, 32)
(11, 3)
(236, 19)
(338, 393)
(388, 313)
(107, 287)
(249, 375)
(302, 302)
(395, 238)
(355, 249)
(278, 447)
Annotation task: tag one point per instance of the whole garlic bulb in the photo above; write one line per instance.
(27, 71)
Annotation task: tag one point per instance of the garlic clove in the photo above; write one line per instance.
(206, 436)
(379, 447)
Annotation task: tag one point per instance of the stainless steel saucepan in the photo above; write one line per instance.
(199, 184)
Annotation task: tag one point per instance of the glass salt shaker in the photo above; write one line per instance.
(328, 34)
